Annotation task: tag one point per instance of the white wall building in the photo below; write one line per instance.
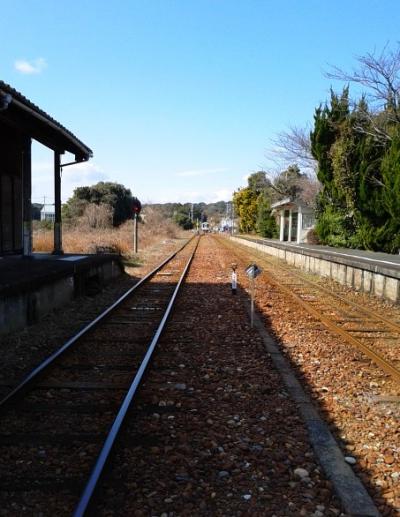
(295, 220)
(47, 213)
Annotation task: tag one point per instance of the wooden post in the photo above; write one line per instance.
(135, 234)
(27, 195)
(57, 204)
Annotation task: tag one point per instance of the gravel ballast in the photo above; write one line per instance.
(215, 431)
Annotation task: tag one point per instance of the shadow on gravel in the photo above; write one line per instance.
(346, 446)
(212, 431)
(37, 341)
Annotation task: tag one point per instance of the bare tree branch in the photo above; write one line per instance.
(379, 73)
(293, 146)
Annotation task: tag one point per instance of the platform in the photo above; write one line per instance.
(368, 271)
(32, 286)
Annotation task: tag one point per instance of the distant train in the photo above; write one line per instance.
(205, 227)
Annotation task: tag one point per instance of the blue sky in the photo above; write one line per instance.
(179, 100)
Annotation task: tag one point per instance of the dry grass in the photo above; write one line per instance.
(83, 239)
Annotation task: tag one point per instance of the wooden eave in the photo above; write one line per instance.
(31, 121)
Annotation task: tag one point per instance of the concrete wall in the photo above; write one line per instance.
(18, 311)
(378, 283)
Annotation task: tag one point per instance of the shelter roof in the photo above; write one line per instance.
(18, 111)
(282, 202)
(289, 202)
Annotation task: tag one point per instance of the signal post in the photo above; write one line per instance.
(136, 208)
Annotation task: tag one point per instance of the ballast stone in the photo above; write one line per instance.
(301, 473)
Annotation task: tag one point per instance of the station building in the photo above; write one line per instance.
(21, 121)
(33, 284)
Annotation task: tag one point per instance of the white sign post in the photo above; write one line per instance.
(252, 272)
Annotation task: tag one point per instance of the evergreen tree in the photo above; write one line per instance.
(245, 202)
(390, 168)
(182, 218)
(327, 122)
(266, 224)
(360, 173)
(115, 195)
(287, 183)
(258, 182)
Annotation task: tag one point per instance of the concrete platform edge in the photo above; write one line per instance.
(351, 492)
(374, 279)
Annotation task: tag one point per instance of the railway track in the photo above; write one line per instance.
(375, 335)
(58, 427)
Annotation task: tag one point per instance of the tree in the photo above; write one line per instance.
(294, 146)
(253, 203)
(182, 218)
(287, 183)
(98, 216)
(115, 195)
(265, 224)
(390, 168)
(290, 182)
(258, 182)
(245, 202)
(360, 174)
(379, 73)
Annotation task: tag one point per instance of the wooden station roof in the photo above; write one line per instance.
(19, 112)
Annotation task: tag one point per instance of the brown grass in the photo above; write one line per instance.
(83, 239)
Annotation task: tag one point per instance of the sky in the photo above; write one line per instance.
(180, 100)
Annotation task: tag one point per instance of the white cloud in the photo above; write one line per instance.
(30, 67)
(42, 167)
(201, 172)
(173, 196)
(82, 174)
(222, 195)
(193, 196)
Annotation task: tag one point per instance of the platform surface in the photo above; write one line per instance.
(18, 273)
(375, 261)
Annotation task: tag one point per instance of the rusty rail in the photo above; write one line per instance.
(385, 364)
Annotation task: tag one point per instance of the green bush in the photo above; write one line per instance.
(265, 223)
(330, 228)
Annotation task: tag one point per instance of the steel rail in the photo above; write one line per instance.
(372, 315)
(377, 358)
(98, 470)
(34, 374)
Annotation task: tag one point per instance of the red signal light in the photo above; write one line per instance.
(136, 208)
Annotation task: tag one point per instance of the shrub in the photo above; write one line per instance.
(330, 228)
(312, 237)
(97, 216)
(88, 239)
